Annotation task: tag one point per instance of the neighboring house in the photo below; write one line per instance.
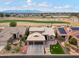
(7, 34)
(67, 32)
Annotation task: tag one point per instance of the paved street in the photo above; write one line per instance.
(35, 50)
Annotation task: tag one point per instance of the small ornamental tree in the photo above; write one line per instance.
(13, 24)
(24, 38)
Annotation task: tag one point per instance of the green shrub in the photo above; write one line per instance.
(73, 41)
(13, 24)
(8, 47)
(66, 44)
(17, 49)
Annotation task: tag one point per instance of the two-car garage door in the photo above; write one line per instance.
(35, 50)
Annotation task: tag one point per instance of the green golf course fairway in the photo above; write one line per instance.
(34, 21)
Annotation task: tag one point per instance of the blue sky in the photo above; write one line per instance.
(43, 5)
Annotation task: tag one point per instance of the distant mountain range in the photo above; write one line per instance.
(21, 11)
(30, 11)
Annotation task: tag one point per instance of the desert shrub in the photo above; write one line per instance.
(8, 47)
(17, 49)
(13, 24)
(73, 41)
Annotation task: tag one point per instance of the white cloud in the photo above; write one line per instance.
(43, 4)
(29, 2)
(7, 3)
(63, 7)
(12, 8)
(67, 6)
(35, 5)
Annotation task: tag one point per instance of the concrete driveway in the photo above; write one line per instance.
(35, 50)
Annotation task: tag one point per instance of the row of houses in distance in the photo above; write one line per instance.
(54, 16)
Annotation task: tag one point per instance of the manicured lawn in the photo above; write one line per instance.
(34, 21)
(56, 49)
